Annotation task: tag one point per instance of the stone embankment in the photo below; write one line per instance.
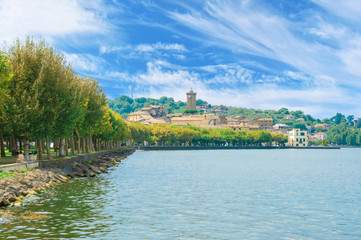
(21, 184)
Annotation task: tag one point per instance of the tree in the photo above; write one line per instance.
(27, 62)
(338, 118)
(300, 126)
(163, 100)
(5, 77)
(350, 119)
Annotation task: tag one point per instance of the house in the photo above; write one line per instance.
(264, 123)
(356, 121)
(324, 126)
(243, 126)
(288, 117)
(297, 138)
(300, 120)
(320, 136)
(281, 126)
(149, 115)
(204, 121)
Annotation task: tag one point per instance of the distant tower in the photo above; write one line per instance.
(191, 100)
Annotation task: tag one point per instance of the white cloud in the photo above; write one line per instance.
(247, 27)
(329, 31)
(20, 18)
(145, 48)
(84, 62)
(319, 99)
(348, 9)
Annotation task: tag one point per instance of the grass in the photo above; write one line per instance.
(8, 154)
(11, 173)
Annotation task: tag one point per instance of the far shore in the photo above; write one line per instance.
(173, 148)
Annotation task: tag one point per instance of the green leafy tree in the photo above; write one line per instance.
(338, 118)
(5, 76)
(350, 119)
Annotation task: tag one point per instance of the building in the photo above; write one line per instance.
(288, 117)
(191, 100)
(356, 121)
(297, 138)
(149, 115)
(242, 127)
(206, 120)
(324, 126)
(265, 123)
(320, 136)
(155, 111)
(300, 120)
(281, 127)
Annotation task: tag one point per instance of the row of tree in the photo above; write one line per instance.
(43, 100)
(172, 135)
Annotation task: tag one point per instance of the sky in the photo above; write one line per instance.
(264, 54)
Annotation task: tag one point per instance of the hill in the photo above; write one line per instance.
(125, 105)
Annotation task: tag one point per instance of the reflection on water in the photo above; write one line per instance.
(253, 194)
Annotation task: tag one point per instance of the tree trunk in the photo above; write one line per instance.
(82, 144)
(78, 141)
(12, 144)
(40, 149)
(48, 152)
(56, 147)
(72, 143)
(96, 144)
(67, 147)
(61, 147)
(2, 144)
(43, 146)
(86, 144)
(26, 150)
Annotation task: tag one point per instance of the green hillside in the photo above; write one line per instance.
(342, 130)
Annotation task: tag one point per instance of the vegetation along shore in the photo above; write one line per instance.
(16, 185)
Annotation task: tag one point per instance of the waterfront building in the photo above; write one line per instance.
(297, 138)
(320, 136)
(191, 100)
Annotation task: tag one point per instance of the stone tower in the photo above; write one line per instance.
(191, 100)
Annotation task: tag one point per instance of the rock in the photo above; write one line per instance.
(68, 171)
(9, 196)
(4, 202)
(95, 169)
(32, 182)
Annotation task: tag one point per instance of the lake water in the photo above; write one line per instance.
(221, 194)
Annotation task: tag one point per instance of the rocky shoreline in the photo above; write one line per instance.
(13, 189)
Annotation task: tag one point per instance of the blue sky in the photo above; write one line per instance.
(262, 54)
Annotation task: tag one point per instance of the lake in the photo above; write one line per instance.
(214, 194)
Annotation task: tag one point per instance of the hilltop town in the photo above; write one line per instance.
(200, 116)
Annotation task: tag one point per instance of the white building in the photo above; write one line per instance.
(297, 138)
(321, 136)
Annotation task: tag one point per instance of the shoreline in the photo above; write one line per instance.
(13, 190)
(193, 148)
